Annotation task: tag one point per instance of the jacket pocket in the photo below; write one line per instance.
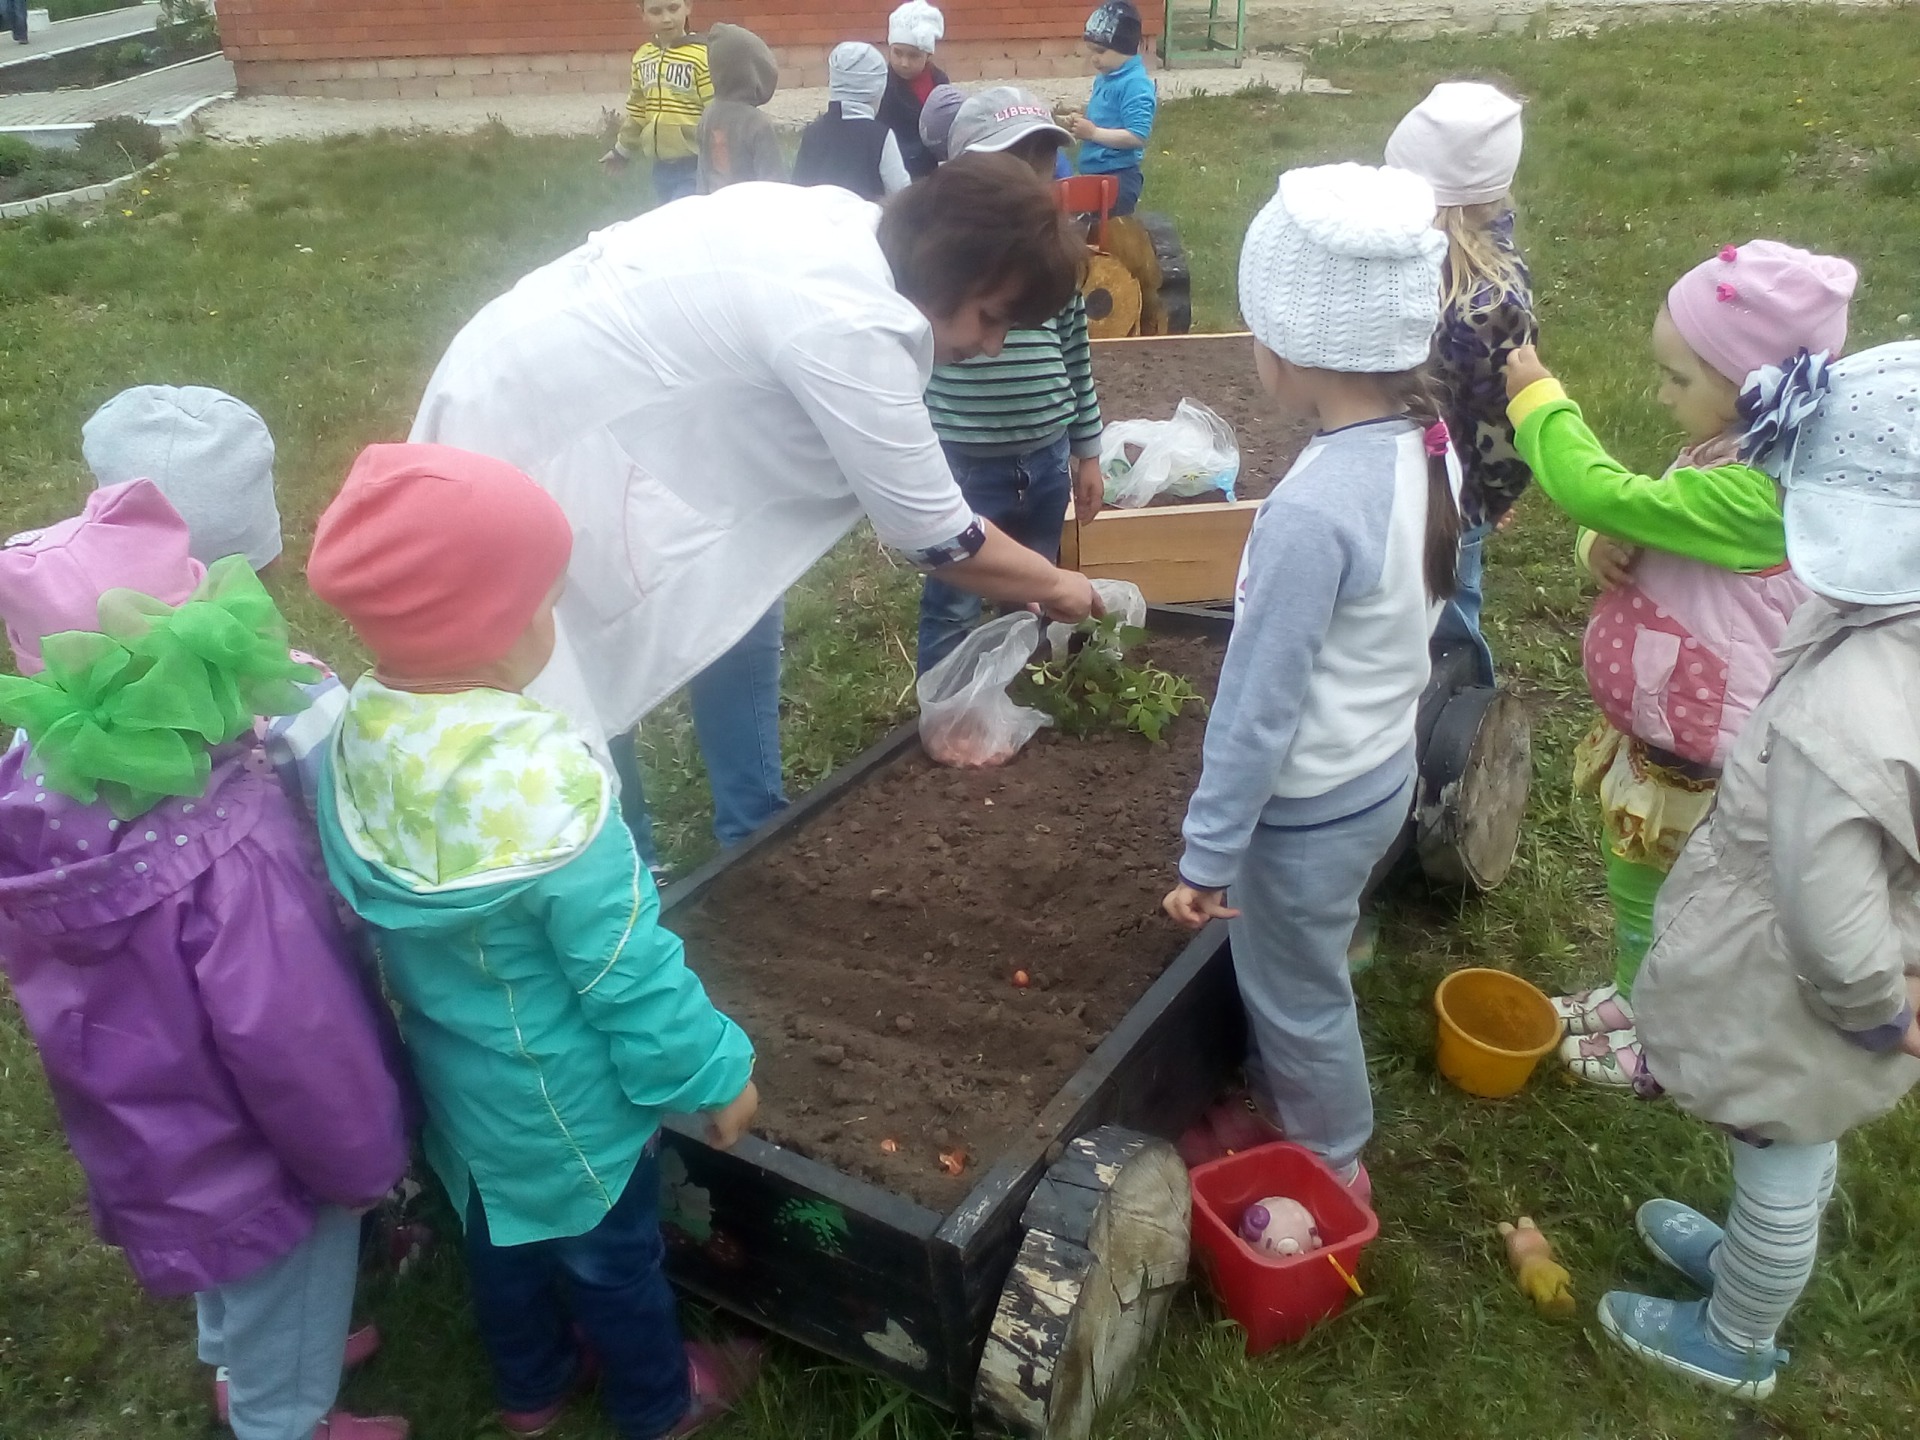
(1655, 654)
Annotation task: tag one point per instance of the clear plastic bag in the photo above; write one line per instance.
(966, 718)
(1190, 454)
(1117, 597)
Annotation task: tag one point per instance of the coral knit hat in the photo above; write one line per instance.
(439, 558)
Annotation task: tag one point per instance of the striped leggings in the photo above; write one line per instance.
(1773, 1231)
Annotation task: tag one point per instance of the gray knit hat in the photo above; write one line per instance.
(208, 453)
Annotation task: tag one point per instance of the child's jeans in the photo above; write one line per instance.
(1299, 901)
(1027, 496)
(282, 1333)
(675, 179)
(1460, 620)
(1773, 1232)
(608, 1282)
(1131, 183)
(736, 719)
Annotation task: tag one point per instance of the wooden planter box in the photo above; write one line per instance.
(1177, 554)
(878, 1280)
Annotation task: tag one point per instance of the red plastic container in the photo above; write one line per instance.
(1277, 1298)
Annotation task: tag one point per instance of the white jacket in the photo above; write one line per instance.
(715, 393)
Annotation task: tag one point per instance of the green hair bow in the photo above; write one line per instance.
(129, 712)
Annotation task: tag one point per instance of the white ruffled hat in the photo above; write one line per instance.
(1852, 477)
(1463, 139)
(1341, 270)
(918, 24)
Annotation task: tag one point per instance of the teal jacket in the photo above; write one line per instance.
(550, 1019)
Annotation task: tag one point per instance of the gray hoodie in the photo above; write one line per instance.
(737, 142)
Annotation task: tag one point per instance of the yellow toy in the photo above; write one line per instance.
(1542, 1280)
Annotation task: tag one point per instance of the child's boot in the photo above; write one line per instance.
(362, 1345)
(1680, 1237)
(720, 1374)
(342, 1426)
(1676, 1337)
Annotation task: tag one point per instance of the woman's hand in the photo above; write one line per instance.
(1610, 562)
(1089, 488)
(1073, 600)
(726, 1125)
(1523, 369)
(1194, 908)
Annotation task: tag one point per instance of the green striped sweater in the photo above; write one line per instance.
(1040, 384)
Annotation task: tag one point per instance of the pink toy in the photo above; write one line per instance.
(1279, 1226)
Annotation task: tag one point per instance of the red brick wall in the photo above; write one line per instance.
(283, 30)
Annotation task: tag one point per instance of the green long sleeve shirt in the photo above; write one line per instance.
(1728, 515)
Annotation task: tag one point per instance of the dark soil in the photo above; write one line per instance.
(104, 64)
(1136, 377)
(872, 955)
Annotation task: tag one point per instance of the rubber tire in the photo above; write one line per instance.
(1176, 273)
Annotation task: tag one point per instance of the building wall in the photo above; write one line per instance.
(421, 48)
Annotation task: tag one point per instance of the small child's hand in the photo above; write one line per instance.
(1523, 369)
(726, 1125)
(1194, 908)
(613, 160)
(1089, 488)
(1080, 127)
(1610, 562)
(1910, 1042)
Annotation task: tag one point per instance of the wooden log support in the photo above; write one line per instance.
(1106, 1247)
(1473, 789)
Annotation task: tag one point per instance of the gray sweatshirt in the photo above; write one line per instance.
(1314, 719)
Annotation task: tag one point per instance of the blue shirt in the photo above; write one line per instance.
(1123, 99)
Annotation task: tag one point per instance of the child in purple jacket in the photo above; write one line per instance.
(215, 1061)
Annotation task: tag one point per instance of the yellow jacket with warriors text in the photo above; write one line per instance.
(671, 87)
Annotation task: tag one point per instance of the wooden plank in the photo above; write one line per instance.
(1174, 553)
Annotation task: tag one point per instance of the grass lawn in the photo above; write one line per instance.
(321, 282)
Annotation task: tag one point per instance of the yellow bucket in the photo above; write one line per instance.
(1494, 1027)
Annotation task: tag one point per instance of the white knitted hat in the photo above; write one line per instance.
(1464, 140)
(210, 455)
(918, 24)
(1341, 270)
(1853, 481)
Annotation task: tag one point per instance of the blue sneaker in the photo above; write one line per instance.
(1680, 1237)
(1675, 1337)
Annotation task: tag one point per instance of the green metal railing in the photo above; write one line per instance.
(1215, 36)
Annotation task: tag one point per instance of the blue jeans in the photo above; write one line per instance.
(609, 1283)
(675, 179)
(1460, 621)
(13, 14)
(1131, 181)
(1026, 496)
(736, 719)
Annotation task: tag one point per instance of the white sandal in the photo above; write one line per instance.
(1599, 1011)
(1613, 1061)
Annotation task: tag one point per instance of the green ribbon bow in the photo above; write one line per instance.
(131, 711)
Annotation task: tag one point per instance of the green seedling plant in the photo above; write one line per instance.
(1092, 688)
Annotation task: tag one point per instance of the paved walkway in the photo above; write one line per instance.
(262, 118)
(61, 35)
(159, 97)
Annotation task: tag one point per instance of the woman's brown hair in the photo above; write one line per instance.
(983, 225)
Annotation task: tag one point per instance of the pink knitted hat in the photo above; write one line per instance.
(439, 558)
(1761, 303)
(128, 538)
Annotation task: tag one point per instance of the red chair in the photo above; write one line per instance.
(1090, 195)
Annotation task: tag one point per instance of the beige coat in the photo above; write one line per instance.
(1793, 915)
